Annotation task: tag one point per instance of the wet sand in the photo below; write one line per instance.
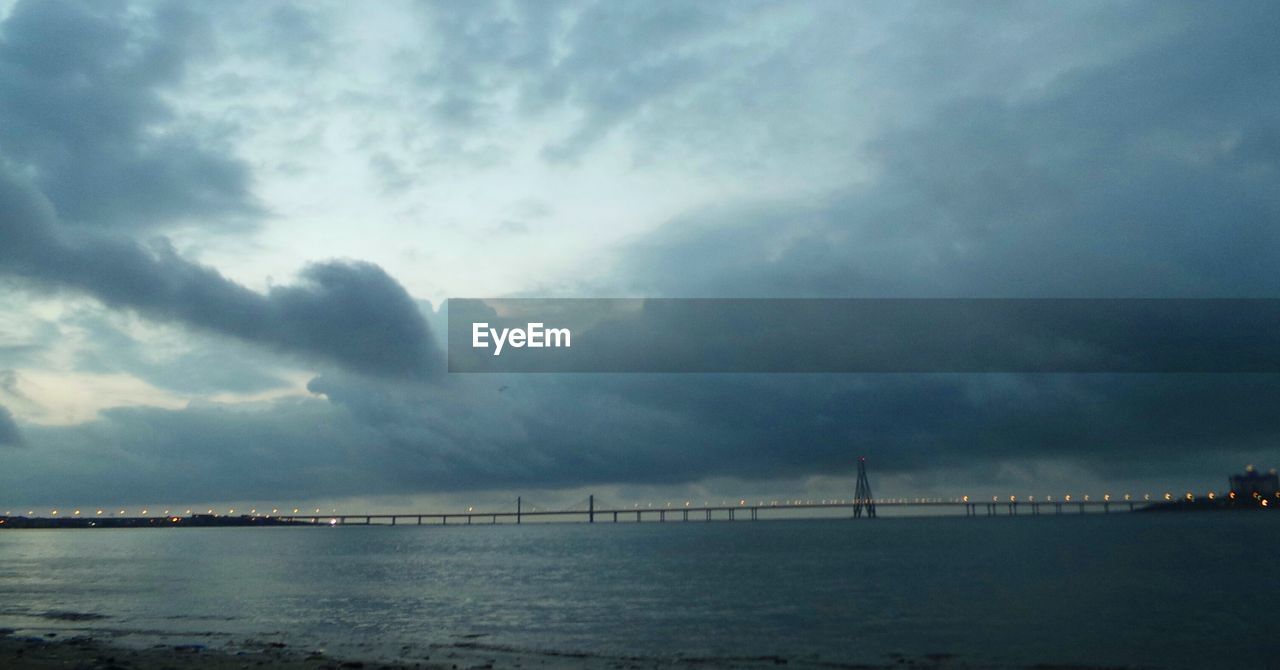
(101, 651)
(21, 649)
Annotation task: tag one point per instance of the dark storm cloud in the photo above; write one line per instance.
(9, 435)
(81, 109)
(349, 313)
(1148, 175)
(542, 432)
(1140, 164)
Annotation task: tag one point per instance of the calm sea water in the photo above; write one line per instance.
(1163, 590)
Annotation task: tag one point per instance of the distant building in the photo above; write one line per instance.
(1254, 484)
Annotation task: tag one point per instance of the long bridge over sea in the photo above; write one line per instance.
(741, 511)
(862, 505)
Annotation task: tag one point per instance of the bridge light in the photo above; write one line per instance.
(1127, 496)
(1068, 497)
(1168, 496)
(77, 512)
(966, 498)
(742, 502)
(1013, 498)
(1211, 495)
(1265, 502)
(1106, 497)
(54, 512)
(99, 512)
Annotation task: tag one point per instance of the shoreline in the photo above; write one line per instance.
(90, 649)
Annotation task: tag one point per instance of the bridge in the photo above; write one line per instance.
(862, 503)
(742, 511)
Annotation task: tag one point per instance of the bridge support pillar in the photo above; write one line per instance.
(393, 520)
(615, 517)
(685, 513)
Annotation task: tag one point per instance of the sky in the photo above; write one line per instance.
(228, 232)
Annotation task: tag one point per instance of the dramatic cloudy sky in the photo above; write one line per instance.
(227, 231)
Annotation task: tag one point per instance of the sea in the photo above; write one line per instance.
(1161, 590)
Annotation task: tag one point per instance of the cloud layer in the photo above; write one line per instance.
(349, 313)
(1082, 150)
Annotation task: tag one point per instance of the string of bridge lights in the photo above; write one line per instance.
(741, 502)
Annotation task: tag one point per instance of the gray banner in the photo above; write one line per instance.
(864, 335)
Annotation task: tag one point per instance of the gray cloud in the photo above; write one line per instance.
(81, 110)
(349, 313)
(995, 156)
(1143, 175)
(204, 365)
(613, 64)
(534, 433)
(9, 435)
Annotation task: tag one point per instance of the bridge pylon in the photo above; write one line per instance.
(862, 497)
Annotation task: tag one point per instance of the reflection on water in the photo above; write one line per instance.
(1155, 589)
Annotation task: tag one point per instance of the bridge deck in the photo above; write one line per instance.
(730, 512)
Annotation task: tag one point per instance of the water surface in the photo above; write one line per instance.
(1163, 590)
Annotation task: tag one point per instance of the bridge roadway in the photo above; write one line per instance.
(729, 512)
